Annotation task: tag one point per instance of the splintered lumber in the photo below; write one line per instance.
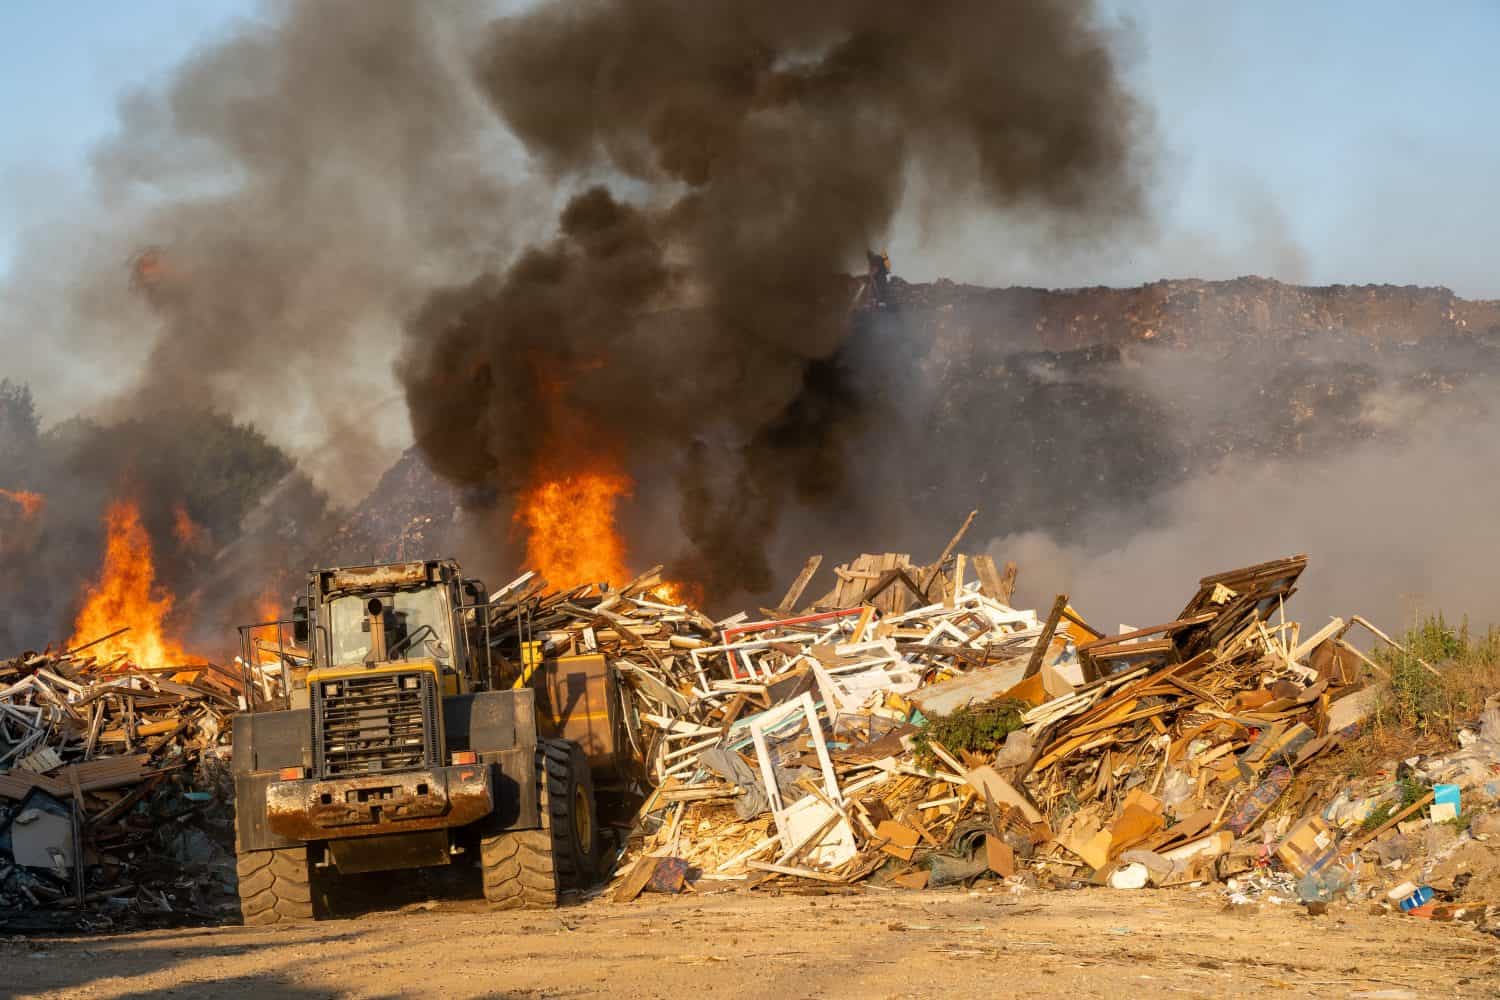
(1174, 739)
(1039, 651)
(1357, 620)
(767, 866)
(123, 751)
(636, 880)
(94, 642)
(794, 592)
(1403, 814)
(937, 567)
(993, 584)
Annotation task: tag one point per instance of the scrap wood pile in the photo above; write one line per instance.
(807, 743)
(111, 763)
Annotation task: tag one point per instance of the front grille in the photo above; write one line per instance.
(374, 724)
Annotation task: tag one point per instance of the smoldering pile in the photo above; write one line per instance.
(116, 806)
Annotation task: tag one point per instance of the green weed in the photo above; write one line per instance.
(975, 728)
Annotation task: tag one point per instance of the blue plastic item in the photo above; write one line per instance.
(1446, 793)
(1421, 897)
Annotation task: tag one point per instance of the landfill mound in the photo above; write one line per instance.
(1123, 382)
(1194, 311)
(806, 745)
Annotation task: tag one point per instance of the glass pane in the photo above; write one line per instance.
(416, 627)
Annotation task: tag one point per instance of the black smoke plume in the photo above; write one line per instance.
(727, 166)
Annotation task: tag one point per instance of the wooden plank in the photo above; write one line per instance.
(1007, 583)
(1358, 620)
(635, 880)
(987, 781)
(767, 866)
(957, 589)
(1362, 841)
(937, 567)
(886, 580)
(1044, 641)
(990, 584)
(794, 593)
(1141, 633)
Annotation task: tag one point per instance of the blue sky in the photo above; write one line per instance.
(1339, 141)
(64, 67)
(1371, 125)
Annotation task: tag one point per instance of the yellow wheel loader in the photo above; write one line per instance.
(392, 743)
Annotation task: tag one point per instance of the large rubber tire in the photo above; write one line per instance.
(275, 886)
(517, 870)
(572, 815)
(525, 869)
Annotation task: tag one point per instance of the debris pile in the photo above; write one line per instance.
(911, 728)
(114, 765)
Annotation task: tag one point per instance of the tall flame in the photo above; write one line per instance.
(567, 512)
(569, 520)
(126, 594)
(30, 503)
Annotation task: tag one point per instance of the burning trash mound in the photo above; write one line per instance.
(115, 807)
(114, 764)
(911, 728)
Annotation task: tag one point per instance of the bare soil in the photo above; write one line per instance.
(877, 944)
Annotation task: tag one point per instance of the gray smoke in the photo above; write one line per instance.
(262, 221)
(1397, 520)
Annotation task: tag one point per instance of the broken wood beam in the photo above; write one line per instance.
(794, 592)
(1044, 641)
(937, 567)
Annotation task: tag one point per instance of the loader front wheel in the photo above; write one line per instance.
(569, 804)
(275, 886)
(518, 870)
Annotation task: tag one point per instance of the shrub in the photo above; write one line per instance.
(1468, 670)
(978, 729)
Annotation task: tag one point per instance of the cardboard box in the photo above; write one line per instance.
(1308, 846)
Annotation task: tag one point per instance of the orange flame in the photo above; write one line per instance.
(189, 533)
(30, 503)
(677, 592)
(568, 511)
(267, 607)
(569, 521)
(126, 594)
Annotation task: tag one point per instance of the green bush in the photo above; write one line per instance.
(978, 728)
(1468, 669)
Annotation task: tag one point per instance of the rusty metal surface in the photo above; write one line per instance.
(379, 804)
(369, 577)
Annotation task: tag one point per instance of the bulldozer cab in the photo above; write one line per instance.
(417, 612)
(426, 617)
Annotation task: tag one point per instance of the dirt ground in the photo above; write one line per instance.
(1093, 943)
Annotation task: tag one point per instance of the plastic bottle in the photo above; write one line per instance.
(1324, 884)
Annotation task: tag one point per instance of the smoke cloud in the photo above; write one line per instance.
(1396, 517)
(728, 166)
(260, 222)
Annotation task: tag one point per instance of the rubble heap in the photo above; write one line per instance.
(808, 744)
(118, 763)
